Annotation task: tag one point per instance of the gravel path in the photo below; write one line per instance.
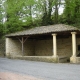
(39, 70)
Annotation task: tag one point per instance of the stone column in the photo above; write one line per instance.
(74, 43)
(54, 45)
(7, 47)
(73, 58)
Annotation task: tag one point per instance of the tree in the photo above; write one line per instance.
(2, 12)
(72, 12)
(23, 14)
(12, 23)
(50, 15)
(77, 12)
(47, 9)
(2, 17)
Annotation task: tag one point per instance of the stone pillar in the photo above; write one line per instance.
(55, 56)
(73, 58)
(74, 43)
(54, 45)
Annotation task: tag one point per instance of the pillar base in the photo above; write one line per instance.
(73, 59)
(56, 58)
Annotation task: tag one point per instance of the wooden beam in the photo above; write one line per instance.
(22, 46)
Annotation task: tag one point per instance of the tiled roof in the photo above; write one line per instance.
(45, 29)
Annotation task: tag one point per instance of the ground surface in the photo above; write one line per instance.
(14, 76)
(31, 70)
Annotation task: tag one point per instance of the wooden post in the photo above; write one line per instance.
(22, 43)
(22, 46)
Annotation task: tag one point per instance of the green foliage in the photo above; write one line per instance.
(1, 30)
(13, 23)
(72, 12)
(13, 26)
(19, 15)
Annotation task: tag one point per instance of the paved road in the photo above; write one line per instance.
(45, 71)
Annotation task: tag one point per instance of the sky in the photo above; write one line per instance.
(61, 10)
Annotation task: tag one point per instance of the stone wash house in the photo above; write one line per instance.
(53, 43)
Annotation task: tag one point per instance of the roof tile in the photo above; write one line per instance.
(45, 29)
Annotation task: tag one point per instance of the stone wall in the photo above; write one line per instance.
(29, 48)
(13, 47)
(64, 46)
(44, 48)
(41, 47)
(78, 43)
